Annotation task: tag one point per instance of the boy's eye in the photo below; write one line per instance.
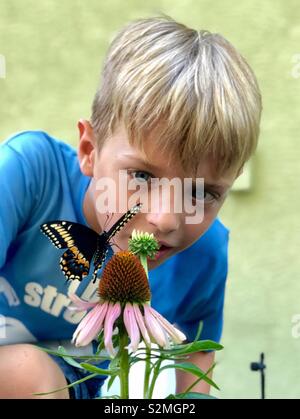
(210, 197)
(207, 196)
(141, 176)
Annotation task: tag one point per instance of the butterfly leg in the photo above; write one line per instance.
(115, 244)
(98, 266)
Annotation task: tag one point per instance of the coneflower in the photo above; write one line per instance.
(124, 295)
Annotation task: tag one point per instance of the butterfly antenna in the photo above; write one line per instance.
(107, 217)
(106, 221)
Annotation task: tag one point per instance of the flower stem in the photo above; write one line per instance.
(154, 378)
(143, 259)
(147, 372)
(124, 365)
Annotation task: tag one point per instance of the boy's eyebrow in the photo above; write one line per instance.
(220, 186)
(141, 161)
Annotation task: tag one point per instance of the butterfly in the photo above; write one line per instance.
(83, 244)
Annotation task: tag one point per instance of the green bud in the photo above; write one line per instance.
(143, 244)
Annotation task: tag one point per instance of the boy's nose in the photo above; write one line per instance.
(164, 222)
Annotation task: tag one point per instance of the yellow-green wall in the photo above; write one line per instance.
(54, 50)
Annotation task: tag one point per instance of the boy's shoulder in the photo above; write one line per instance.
(215, 237)
(39, 153)
(34, 141)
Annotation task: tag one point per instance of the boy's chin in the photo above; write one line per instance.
(152, 263)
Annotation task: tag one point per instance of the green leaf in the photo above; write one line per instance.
(189, 348)
(79, 357)
(68, 386)
(115, 364)
(191, 395)
(199, 331)
(111, 381)
(97, 370)
(101, 345)
(193, 369)
(68, 359)
(52, 352)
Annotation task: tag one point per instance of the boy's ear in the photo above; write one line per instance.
(86, 147)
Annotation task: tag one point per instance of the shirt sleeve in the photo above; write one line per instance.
(17, 196)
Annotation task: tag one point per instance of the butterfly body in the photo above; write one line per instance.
(83, 244)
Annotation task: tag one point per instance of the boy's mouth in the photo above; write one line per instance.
(163, 251)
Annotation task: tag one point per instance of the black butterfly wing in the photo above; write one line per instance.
(72, 267)
(81, 243)
(123, 220)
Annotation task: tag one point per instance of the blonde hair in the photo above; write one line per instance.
(194, 84)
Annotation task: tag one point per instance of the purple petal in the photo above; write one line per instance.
(176, 335)
(113, 312)
(79, 304)
(90, 326)
(141, 324)
(154, 328)
(131, 327)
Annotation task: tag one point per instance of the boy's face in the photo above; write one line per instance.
(169, 228)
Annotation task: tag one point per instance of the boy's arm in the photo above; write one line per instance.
(203, 360)
(16, 193)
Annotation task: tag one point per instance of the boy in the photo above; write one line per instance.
(173, 103)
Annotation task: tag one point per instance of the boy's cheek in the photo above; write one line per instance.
(193, 232)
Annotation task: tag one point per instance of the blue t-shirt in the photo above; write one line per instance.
(40, 181)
